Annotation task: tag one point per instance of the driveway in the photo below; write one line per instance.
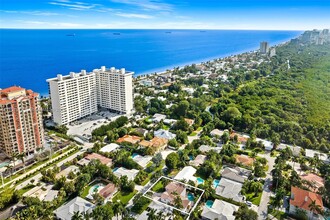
(266, 193)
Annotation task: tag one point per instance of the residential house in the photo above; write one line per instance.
(240, 138)
(78, 204)
(94, 156)
(302, 199)
(229, 189)
(219, 210)
(121, 171)
(169, 121)
(129, 139)
(172, 190)
(206, 148)
(141, 131)
(216, 132)
(142, 160)
(164, 134)
(189, 121)
(186, 174)
(315, 180)
(199, 160)
(158, 144)
(109, 148)
(65, 172)
(158, 117)
(237, 174)
(244, 160)
(267, 144)
(108, 192)
(312, 153)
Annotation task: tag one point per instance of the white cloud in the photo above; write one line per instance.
(132, 15)
(45, 24)
(155, 5)
(80, 6)
(40, 13)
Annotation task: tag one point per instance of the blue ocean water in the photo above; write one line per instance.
(29, 57)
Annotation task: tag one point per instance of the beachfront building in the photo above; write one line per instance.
(114, 89)
(73, 96)
(21, 127)
(264, 47)
(77, 95)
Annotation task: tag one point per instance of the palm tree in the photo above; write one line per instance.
(9, 167)
(315, 208)
(152, 214)
(77, 216)
(21, 156)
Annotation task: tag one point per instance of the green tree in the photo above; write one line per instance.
(172, 161)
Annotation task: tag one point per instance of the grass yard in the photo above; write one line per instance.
(255, 200)
(124, 197)
(85, 192)
(158, 187)
(277, 214)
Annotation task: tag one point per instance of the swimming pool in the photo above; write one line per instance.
(94, 189)
(115, 169)
(209, 203)
(191, 157)
(215, 183)
(134, 155)
(191, 197)
(200, 180)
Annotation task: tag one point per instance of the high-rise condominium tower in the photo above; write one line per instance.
(79, 94)
(21, 127)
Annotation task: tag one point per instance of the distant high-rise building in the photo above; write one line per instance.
(264, 47)
(21, 126)
(79, 94)
(272, 52)
(73, 96)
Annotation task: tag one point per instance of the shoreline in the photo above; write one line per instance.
(164, 70)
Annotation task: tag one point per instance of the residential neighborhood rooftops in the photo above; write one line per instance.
(316, 180)
(220, 210)
(164, 134)
(199, 160)
(142, 160)
(244, 159)
(187, 173)
(158, 117)
(206, 148)
(78, 204)
(216, 132)
(129, 138)
(302, 198)
(236, 174)
(230, 189)
(104, 160)
(109, 148)
(121, 171)
(108, 190)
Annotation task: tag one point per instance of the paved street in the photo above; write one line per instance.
(262, 211)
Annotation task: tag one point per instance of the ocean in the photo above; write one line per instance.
(29, 57)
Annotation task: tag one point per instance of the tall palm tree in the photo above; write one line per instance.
(315, 208)
(77, 216)
(152, 214)
(9, 167)
(21, 156)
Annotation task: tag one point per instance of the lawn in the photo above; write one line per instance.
(255, 200)
(26, 188)
(193, 134)
(158, 187)
(124, 197)
(166, 127)
(86, 191)
(199, 128)
(277, 214)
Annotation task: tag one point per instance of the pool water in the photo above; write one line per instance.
(191, 157)
(215, 183)
(95, 188)
(115, 169)
(134, 155)
(191, 197)
(200, 180)
(209, 203)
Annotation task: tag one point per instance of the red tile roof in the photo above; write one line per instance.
(108, 190)
(303, 198)
(315, 179)
(12, 89)
(245, 160)
(104, 160)
(129, 138)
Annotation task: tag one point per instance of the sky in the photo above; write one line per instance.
(166, 14)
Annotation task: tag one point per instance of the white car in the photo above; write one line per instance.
(249, 203)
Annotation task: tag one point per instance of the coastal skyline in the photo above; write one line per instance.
(165, 14)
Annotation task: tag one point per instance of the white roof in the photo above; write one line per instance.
(158, 117)
(206, 148)
(142, 160)
(268, 144)
(78, 204)
(109, 148)
(164, 134)
(187, 173)
(311, 153)
(217, 132)
(229, 189)
(220, 210)
(121, 171)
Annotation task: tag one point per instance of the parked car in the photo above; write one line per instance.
(249, 203)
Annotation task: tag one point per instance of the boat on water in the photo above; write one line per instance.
(116, 33)
(71, 35)
(168, 32)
